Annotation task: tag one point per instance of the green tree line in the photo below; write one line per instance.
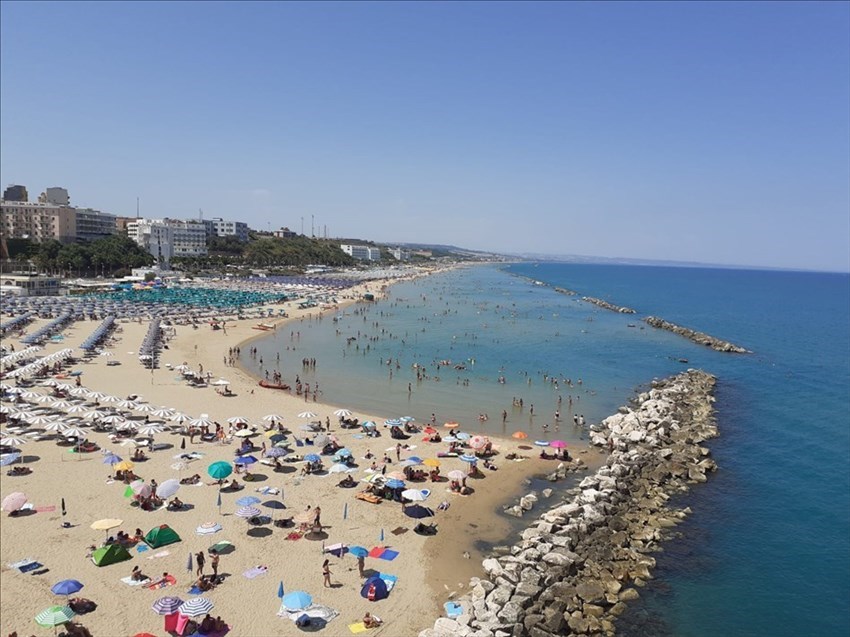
(102, 256)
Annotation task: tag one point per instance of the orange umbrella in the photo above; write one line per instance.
(519, 435)
(451, 425)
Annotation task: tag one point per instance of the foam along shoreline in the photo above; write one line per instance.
(578, 564)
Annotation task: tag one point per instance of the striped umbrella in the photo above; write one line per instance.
(54, 616)
(166, 605)
(247, 500)
(468, 458)
(196, 606)
(13, 441)
(163, 412)
(248, 512)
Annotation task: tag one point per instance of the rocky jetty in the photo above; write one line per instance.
(566, 291)
(697, 337)
(578, 565)
(608, 306)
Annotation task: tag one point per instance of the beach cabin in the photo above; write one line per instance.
(161, 536)
(110, 554)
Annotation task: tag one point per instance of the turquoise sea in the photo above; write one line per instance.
(767, 548)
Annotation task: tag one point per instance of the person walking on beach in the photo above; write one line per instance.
(326, 573)
(200, 559)
(361, 562)
(214, 564)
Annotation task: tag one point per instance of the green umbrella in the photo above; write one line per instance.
(54, 616)
(220, 470)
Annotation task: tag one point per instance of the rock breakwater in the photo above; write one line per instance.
(608, 306)
(578, 565)
(697, 337)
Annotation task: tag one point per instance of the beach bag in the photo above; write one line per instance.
(303, 620)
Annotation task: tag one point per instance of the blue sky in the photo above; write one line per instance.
(711, 132)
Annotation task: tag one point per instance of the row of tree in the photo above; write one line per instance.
(105, 256)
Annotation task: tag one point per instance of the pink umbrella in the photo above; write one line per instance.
(13, 502)
(139, 487)
(558, 444)
(478, 442)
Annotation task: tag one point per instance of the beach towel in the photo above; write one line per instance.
(251, 573)
(388, 555)
(389, 580)
(129, 581)
(45, 509)
(141, 548)
(171, 622)
(169, 581)
(376, 551)
(29, 568)
(20, 563)
(358, 627)
(195, 591)
(453, 609)
(267, 490)
(156, 555)
(293, 536)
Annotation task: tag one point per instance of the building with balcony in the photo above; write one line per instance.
(94, 224)
(221, 228)
(361, 252)
(169, 238)
(37, 221)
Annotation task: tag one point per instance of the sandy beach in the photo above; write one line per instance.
(428, 569)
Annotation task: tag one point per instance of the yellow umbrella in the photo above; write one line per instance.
(431, 462)
(124, 465)
(106, 524)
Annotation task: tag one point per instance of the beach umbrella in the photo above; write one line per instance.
(276, 452)
(541, 443)
(145, 408)
(108, 398)
(219, 470)
(79, 391)
(345, 511)
(478, 442)
(114, 419)
(247, 500)
(411, 462)
(166, 605)
(74, 432)
(126, 404)
(344, 453)
(66, 587)
(208, 528)
(280, 590)
(297, 600)
(76, 409)
(338, 468)
(180, 418)
(150, 430)
(140, 488)
(248, 512)
(312, 457)
(395, 484)
(168, 488)
(163, 412)
(13, 441)
(406, 419)
(415, 495)
(124, 465)
(468, 458)
(431, 462)
(272, 418)
(307, 414)
(220, 382)
(381, 538)
(342, 412)
(63, 507)
(558, 444)
(396, 475)
(375, 477)
(218, 501)
(106, 524)
(462, 436)
(60, 404)
(40, 419)
(189, 562)
(8, 458)
(54, 616)
(244, 433)
(13, 502)
(132, 443)
(321, 440)
(358, 551)
(519, 435)
(237, 420)
(418, 511)
(456, 474)
(369, 424)
(245, 460)
(94, 414)
(392, 422)
(203, 421)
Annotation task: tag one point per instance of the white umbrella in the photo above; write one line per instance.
(132, 443)
(342, 412)
(182, 368)
(180, 418)
(74, 432)
(203, 421)
(108, 398)
(60, 404)
(236, 420)
(126, 404)
(144, 408)
(31, 395)
(114, 419)
(150, 430)
(40, 419)
(163, 412)
(13, 440)
(414, 495)
(96, 395)
(339, 468)
(307, 414)
(168, 488)
(221, 382)
(56, 426)
(78, 391)
(94, 414)
(42, 398)
(272, 418)
(76, 409)
(245, 433)
(208, 528)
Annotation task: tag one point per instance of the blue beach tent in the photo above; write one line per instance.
(380, 588)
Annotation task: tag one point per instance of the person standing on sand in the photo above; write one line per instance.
(214, 564)
(361, 562)
(326, 573)
(199, 558)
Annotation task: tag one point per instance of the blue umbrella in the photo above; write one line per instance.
(392, 422)
(280, 590)
(369, 424)
(467, 458)
(395, 484)
(247, 500)
(276, 452)
(297, 600)
(418, 512)
(462, 435)
(312, 457)
(358, 551)
(8, 458)
(342, 453)
(245, 460)
(415, 459)
(66, 587)
(111, 458)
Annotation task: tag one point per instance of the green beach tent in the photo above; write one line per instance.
(110, 554)
(160, 536)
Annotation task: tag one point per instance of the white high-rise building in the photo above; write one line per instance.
(169, 238)
(364, 253)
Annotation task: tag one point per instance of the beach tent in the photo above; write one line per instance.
(160, 536)
(110, 554)
(380, 589)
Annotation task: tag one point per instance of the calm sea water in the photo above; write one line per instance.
(767, 549)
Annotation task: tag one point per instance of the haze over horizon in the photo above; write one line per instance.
(715, 133)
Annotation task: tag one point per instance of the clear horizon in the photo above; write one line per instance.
(715, 133)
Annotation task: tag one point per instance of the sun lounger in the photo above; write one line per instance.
(369, 497)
